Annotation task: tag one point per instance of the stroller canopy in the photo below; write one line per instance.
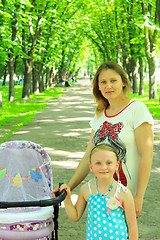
(25, 172)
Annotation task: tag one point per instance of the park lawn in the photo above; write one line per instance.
(152, 104)
(14, 115)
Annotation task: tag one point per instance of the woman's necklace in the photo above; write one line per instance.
(110, 188)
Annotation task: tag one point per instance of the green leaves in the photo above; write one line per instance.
(59, 32)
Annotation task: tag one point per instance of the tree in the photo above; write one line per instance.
(33, 17)
(12, 63)
(44, 41)
(62, 39)
(0, 99)
(115, 28)
(4, 43)
(151, 18)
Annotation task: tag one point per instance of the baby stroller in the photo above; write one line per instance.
(27, 209)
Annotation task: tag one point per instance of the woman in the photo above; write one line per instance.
(124, 123)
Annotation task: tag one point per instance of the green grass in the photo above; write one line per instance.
(154, 104)
(14, 115)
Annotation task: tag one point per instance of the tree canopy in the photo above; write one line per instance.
(44, 40)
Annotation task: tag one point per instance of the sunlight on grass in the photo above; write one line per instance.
(154, 104)
(15, 115)
(48, 94)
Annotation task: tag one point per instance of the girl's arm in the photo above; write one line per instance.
(144, 141)
(74, 212)
(83, 167)
(130, 213)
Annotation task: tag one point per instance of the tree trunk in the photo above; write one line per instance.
(11, 59)
(48, 79)
(0, 99)
(11, 79)
(5, 76)
(38, 84)
(150, 49)
(53, 78)
(150, 53)
(152, 79)
(27, 78)
(141, 85)
(27, 86)
(158, 11)
(133, 75)
(41, 83)
(35, 76)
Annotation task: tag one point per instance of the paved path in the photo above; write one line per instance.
(62, 128)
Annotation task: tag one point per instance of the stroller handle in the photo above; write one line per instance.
(40, 203)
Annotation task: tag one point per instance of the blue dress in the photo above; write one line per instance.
(102, 222)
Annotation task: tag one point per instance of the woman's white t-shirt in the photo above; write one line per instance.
(119, 131)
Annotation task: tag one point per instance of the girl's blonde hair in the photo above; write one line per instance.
(102, 102)
(104, 146)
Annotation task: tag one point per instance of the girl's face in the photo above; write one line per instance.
(103, 164)
(110, 84)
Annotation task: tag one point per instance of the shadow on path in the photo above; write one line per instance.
(62, 128)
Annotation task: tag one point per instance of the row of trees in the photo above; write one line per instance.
(128, 32)
(44, 40)
(36, 37)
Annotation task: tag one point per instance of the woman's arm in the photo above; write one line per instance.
(74, 212)
(83, 167)
(144, 141)
(130, 213)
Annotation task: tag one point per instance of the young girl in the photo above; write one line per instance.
(111, 209)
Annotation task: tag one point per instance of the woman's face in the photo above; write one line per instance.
(110, 84)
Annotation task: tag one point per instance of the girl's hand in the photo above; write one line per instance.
(62, 187)
(67, 188)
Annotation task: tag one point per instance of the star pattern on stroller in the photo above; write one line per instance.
(18, 177)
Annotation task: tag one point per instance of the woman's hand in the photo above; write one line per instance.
(54, 192)
(138, 201)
